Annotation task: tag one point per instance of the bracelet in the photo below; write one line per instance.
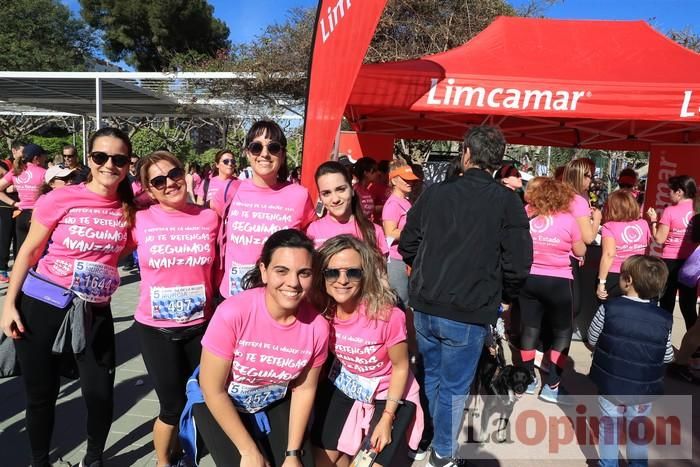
(654, 222)
(398, 401)
(294, 453)
(601, 281)
(393, 417)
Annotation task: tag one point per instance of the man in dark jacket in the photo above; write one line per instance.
(469, 245)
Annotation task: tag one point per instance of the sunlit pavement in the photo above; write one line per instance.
(136, 406)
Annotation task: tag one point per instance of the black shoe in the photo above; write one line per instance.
(682, 372)
(435, 461)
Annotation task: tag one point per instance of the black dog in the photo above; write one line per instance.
(501, 385)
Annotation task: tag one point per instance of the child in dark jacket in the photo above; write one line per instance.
(632, 339)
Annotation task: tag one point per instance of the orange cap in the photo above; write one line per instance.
(404, 172)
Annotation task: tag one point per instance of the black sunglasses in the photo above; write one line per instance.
(255, 148)
(160, 182)
(227, 161)
(353, 274)
(100, 158)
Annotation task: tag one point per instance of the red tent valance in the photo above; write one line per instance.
(598, 84)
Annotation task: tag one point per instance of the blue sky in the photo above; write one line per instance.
(248, 18)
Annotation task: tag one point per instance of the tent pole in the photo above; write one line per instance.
(98, 104)
(336, 145)
(84, 140)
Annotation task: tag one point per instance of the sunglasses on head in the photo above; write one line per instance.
(353, 274)
(255, 148)
(100, 158)
(227, 161)
(161, 181)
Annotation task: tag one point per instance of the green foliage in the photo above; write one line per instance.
(53, 145)
(41, 35)
(146, 35)
(146, 140)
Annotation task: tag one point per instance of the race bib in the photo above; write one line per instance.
(180, 304)
(252, 399)
(235, 277)
(354, 386)
(94, 282)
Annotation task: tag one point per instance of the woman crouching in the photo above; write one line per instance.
(370, 388)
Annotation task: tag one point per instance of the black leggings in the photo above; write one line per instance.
(550, 297)
(687, 296)
(22, 226)
(224, 452)
(41, 375)
(7, 234)
(171, 355)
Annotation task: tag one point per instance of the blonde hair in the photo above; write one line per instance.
(375, 292)
(575, 173)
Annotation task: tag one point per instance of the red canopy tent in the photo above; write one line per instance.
(594, 84)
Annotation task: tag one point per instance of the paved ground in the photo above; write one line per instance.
(129, 443)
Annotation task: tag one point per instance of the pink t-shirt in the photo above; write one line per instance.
(216, 185)
(552, 239)
(88, 234)
(27, 184)
(580, 207)
(141, 197)
(176, 254)
(396, 209)
(327, 226)
(255, 214)
(196, 182)
(366, 200)
(362, 345)
(264, 353)
(631, 238)
(678, 244)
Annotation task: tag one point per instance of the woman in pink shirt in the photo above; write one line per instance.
(370, 388)
(176, 244)
(547, 291)
(365, 170)
(253, 209)
(624, 234)
(217, 182)
(674, 233)
(344, 214)
(69, 294)
(261, 359)
(27, 177)
(402, 180)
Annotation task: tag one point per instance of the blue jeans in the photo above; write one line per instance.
(611, 416)
(450, 351)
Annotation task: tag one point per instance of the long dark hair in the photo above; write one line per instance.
(287, 238)
(366, 227)
(274, 132)
(684, 183)
(124, 191)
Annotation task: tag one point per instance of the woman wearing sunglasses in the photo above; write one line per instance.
(370, 388)
(217, 182)
(344, 214)
(259, 206)
(69, 294)
(176, 248)
(396, 208)
(261, 359)
(27, 176)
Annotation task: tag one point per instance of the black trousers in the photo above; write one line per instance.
(41, 376)
(22, 226)
(686, 295)
(7, 235)
(170, 357)
(224, 452)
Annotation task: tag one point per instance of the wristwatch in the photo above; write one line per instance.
(294, 453)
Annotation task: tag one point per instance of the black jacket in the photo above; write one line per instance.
(468, 242)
